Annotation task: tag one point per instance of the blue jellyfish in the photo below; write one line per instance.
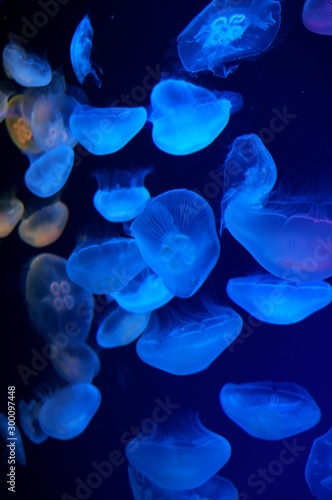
(187, 118)
(76, 364)
(80, 52)
(67, 414)
(177, 237)
(179, 455)
(276, 301)
(106, 267)
(28, 70)
(318, 471)
(228, 31)
(57, 305)
(317, 16)
(29, 414)
(103, 131)
(270, 410)
(14, 451)
(123, 197)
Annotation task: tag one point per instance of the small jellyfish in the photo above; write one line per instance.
(29, 413)
(11, 212)
(5, 94)
(19, 126)
(67, 414)
(187, 118)
(318, 471)
(177, 237)
(317, 16)
(44, 226)
(80, 52)
(76, 364)
(228, 31)
(28, 70)
(270, 410)
(179, 455)
(122, 197)
(103, 131)
(14, 451)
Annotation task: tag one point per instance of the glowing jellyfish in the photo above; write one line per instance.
(190, 340)
(44, 226)
(123, 197)
(187, 118)
(103, 131)
(177, 237)
(49, 173)
(270, 410)
(11, 212)
(277, 301)
(80, 52)
(67, 414)
(106, 267)
(179, 455)
(14, 451)
(29, 413)
(228, 31)
(76, 364)
(318, 471)
(121, 327)
(28, 70)
(317, 16)
(19, 126)
(4, 96)
(57, 306)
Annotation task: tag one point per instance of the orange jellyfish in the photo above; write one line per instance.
(18, 126)
(11, 212)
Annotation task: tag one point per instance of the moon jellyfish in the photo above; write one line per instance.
(228, 31)
(177, 237)
(103, 131)
(28, 70)
(57, 306)
(76, 364)
(29, 414)
(19, 126)
(123, 197)
(279, 302)
(11, 212)
(49, 173)
(67, 414)
(187, 118)
(317, 16)
(80, 52)
(270, 410)
(179, 455)
(121, 327)
(44, 226)
(14, 451)
(318, 471)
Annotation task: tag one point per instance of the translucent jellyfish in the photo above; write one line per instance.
(76, 364)
(49, 173)
(177, 237)
(122, 195)
(106, 267)
(317, 16)
(121, 327)
(5, 93)
(276, 301)
(11, 212)
(188, 341)
(318, 471)
(14, 451)
(29, 414)
(57, 306)
(80, 52)
(19, 126)
(228, 31)
(187, 118)
(103, 131)
(179, 455)
(44, 226)
(67, 414)
(28, 70)
(270, 410)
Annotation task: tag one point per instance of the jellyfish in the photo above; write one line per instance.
(49, 172)
(76, 364)
(179, 455)
(28, 70)
(103, 131)
(67, 414)
(122, 198)
(188, 341)
(276, 301)
(11, 212)
(57, 306)
(80, 52)
(177, 237)
(19, 126)
(14, 451)
(228, 31)
(270, 410)
(317, 16)
(5, 94)
(44, 226)
(121, 327)
(29, 413)
(187, 118)
(318, 471)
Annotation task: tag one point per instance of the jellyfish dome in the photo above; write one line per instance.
(11, 212)
(29, 414)
(317, 16)
(75, 364)
(18, 124)
(28, 70)
(318, 471)
(270, 410)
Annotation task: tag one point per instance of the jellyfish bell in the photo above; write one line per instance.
(317, 16)
(27, 69)
(11, 212)
(19, 126)
(75, 364)
(318, 471)
(28, 414)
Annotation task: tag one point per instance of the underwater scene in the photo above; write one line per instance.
(166, 250)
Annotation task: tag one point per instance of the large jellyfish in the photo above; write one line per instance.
(228, 31)
(29, 414)
(76, 364)
(270, 410)
(14, 451)
(317, 16)
(177, 237)
(179, 455)
(11, 212)
(28, 70)
(318, 471)
(187, 118)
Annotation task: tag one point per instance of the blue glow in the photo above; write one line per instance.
(76, 364)
(318, 471)
(28, 70)
(29, 414)
(13, 443)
